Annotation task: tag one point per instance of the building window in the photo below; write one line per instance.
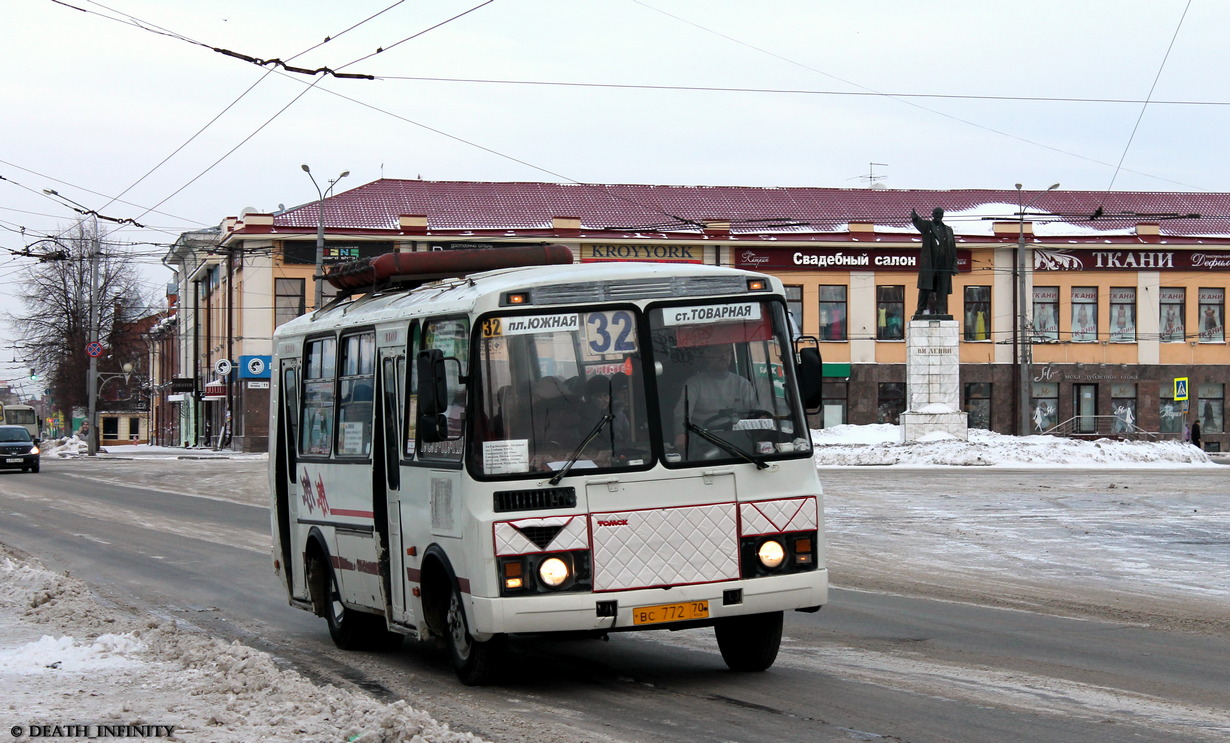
(890, 403)
(794, 304)
(1212, 408)
(111, 428)
(1123, 404)
(1212, 311)
(1171, 299)
(1045, 406)
(832, 313)
(1046, 313)
(1084, 314)
(1122, 314)
(890, 313)
(1169, 413)
(134, 429)
(977, 313)
(835, 403)
(978, 404)
(287, 300)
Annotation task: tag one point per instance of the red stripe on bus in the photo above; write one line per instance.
(348, 512)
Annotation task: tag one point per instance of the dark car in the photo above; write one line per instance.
(18, 449)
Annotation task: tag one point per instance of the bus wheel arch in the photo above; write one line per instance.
(350, 629)
(475, 661)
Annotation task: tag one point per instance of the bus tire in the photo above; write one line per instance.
(749, 643)
(476, 663)
(350, 629)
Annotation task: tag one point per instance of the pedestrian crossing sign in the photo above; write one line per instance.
(1180, 388)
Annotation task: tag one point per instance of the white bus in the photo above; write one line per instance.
(20, 415)
(546, 448)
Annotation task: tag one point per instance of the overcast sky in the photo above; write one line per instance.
(115, 114)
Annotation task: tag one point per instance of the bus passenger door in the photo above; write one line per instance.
(286, 483)
(387, 457)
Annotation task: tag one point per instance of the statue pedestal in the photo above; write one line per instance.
(933, 380)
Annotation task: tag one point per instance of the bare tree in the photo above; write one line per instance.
(55, 328)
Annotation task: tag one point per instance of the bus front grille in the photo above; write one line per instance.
(532, 500)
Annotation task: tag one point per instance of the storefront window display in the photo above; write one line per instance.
(1212, 313)
(978, 404)
(890, 402)
(1123, 314)
(1123, 405)
(977, 313)
(1212, 408)
(1084, 314)
(833, 313)
(1171, 299)
(1046, 313)
(890, 313)
(1045, 406)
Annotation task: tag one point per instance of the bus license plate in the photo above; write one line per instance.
(670, 612)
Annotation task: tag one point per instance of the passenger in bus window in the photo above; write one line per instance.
(713, 394)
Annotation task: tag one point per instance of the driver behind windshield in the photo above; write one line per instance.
(713, 394)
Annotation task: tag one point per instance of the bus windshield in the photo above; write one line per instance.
(722, 380)
(557, 388)
(568, 391)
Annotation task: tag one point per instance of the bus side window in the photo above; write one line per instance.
(357, 393)
(290, 413)
(452, 337)
(405, 378)
(316, 435)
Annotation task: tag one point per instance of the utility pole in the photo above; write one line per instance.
(92, 376)
(1024, 338)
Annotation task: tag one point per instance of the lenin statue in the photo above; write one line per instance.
(937, 263)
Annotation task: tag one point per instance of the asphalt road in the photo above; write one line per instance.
(871, 666)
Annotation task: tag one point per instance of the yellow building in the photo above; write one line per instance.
(1078, 310)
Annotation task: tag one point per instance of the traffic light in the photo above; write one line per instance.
(33, 375)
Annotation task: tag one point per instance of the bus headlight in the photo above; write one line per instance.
(553, 572)
(771, 554)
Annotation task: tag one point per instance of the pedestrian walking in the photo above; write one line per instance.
(1195, 433)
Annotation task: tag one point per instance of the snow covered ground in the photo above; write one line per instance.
(67, 659)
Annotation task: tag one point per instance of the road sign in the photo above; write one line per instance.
(222, 367)
(1180, 388)
(94, 349)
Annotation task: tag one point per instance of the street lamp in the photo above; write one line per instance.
(320, 231)
(1024, 345)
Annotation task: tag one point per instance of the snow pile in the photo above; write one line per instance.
(160, 672)
(67, 446)
(880, 445)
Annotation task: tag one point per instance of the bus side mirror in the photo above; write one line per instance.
(432, 383)
(811, 379)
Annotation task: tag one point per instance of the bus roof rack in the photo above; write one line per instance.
(408, 270)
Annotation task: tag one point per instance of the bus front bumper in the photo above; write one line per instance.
(651, 608)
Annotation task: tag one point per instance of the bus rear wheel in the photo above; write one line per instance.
(749, 643)
(475, 663)
(350, 629)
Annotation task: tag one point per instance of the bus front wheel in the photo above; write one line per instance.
(475, 662)
(749, 643)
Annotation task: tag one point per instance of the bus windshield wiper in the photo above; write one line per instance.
(730, 448)
(576, 453)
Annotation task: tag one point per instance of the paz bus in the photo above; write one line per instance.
(20, 415)
(468, 445)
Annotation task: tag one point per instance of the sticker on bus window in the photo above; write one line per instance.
(711, 313)
(526, 324)
(506, 457)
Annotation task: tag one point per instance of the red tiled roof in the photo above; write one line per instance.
(468, 205)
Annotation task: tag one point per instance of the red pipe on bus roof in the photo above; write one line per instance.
(419, 268)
